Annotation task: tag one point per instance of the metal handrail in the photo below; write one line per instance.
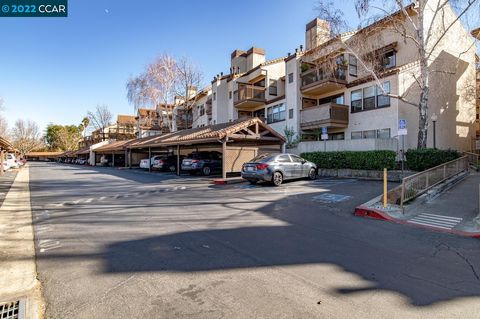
(417, 184)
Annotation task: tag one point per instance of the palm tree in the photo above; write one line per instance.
(83, 125)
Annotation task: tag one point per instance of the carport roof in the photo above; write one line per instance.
(5, 144)
(51, 154)
(114, 146)
(84, 150)
(254, 130)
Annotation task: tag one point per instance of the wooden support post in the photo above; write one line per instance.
(149, 159)
(384, 188)
(178, 160)
(1, 161)
(130, 158)
(113, 159)
(224, 158)
(126, 158)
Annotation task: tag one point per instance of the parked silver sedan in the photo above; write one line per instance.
(276, 167)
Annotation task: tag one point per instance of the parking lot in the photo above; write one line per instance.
(127, 244)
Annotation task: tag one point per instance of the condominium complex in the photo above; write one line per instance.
(328, 84)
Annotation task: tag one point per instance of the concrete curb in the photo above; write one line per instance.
(228, 181)
(369, 211)
(18, 273)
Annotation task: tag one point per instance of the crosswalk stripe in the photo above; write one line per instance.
(434, 221)
(441, 216)
(438, 220)
(427, 224)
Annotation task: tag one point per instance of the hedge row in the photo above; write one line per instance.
(420, 160)
(368, 160)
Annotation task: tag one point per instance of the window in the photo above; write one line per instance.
(356, 97)
(201, 110)
(336, 136)
(290, 77)
(290, 113)
(369, 98)
(383, 133)
(230, 95)
(272, 88)
(296, 159)
(283, 159)
(352, 65)
(389, 60)
(356, 135)
(214, 96)
(369, 134)
(276, 113)
(383, 100)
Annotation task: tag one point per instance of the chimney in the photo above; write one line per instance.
(238, 59)
(255, 57)
(317, 32)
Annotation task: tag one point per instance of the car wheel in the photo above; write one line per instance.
(206, 170)
(252, 181)
(312, 174)
(277, 178)
(172, 168)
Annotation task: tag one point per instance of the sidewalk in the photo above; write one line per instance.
(455, 209)
(18, 276)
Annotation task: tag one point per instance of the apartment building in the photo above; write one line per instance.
(254, 87)
(326, 84)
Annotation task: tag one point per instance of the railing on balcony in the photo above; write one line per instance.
(330, 114)
(249, 92)
(318, 75)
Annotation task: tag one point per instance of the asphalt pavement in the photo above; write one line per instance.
(123, 244)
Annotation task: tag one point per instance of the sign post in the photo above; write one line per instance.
(402, 131)
(324, 138)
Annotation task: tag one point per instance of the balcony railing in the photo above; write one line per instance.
(249, 94)
(325, 115)
(318, 76)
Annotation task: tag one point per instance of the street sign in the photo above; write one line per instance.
(402, 127)
(324, 136)
(324, 130)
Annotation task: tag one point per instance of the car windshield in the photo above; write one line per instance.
(263, 158)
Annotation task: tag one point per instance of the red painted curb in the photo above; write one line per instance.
(368, 212)
(220, 182)
(364, 211)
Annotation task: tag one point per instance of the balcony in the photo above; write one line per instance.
(325, 115)
(249, 96)
(317, 81)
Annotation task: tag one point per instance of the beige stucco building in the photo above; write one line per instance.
(326, 83)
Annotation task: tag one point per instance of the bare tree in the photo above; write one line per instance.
(423, 23)
(155, 88)
(188, 80)
(101, 118)
(3, 127)
(26, 136)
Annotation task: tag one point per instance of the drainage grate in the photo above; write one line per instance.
(13, 310)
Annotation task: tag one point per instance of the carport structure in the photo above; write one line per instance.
(116, 151)
(238, 142)
(5, 145)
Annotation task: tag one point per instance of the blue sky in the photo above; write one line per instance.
(55, 69)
